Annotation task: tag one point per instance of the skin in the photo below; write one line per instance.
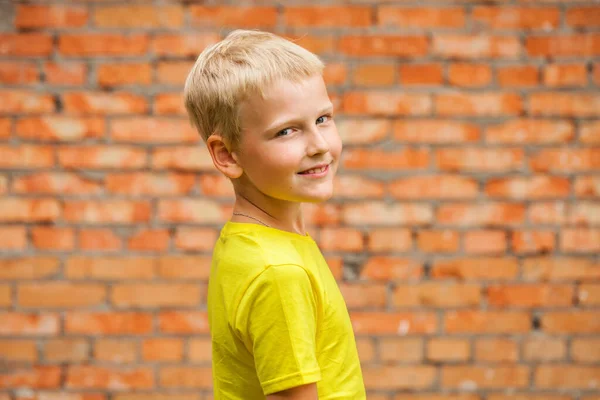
(288, 130)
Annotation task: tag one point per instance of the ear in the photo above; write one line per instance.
(223, 159)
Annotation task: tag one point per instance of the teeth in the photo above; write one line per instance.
(315, 170)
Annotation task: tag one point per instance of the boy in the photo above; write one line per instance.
(279, 324)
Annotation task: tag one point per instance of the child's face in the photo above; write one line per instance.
(289, 131)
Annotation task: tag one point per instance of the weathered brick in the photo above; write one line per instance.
(50, 16)
(96, 377)
(117, 351)
(436, 187)
(573, 321)
(110, 268)
(102, 157)
(469, 75)
(533, 241)
(151, 129)
(184, 322)
(565, 104)
(580, 240)
(583, 16)
(390, 46)
(485, 104)
(534, 131)
(65, 73)
(399, 377)
(518, 76)
(544, 349)
(327, 16)
(522, 18)
(386, 103)
(530, 295)
(66, 350)
(18, 101)
(484, 214)
(55, 183)
(559, 269)
(426, 18)
(189, 158)
(576, 45)
(60, 295)
(108, 323)
(354, 186)
(111, 75)
(500, 377)
(485, 242)
(184, 44)
(20, 350)
(13, 238)
(386, 160)
(185, 377)
(469, 321)
(113, 211)
(391, 268)
(536, 187)
(566, 376)
(26, 44)
(386, 323)
(166, 349)
(138, 16)
(438, 241)
(364, 296)
(476, 268)
(29, 324)
(436, 294)
(496, 350)
(435, 131)
(52, 238)
(561, 75)
(102, 44)
(379, 213)
(239, 17)
(448, 349)
(18, 73)
(341, 239)
(373, 74)
(476, 46)
(150, 295)
(13, 209)
(98, 103)
(585, 349)
(36, 377)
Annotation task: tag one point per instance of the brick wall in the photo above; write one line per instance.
(465, 233)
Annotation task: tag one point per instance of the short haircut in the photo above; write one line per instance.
(241, 65)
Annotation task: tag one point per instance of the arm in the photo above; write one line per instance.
(304, 392)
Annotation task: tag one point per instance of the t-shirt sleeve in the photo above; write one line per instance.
(277, 319)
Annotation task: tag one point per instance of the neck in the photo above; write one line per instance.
(286, 216)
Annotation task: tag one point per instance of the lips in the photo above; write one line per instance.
(315, 170)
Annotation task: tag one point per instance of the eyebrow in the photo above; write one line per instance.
(285, 122)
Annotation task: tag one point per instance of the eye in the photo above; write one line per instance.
(283, 132)
(323, 118)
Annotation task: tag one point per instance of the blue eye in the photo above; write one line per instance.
(283, 132)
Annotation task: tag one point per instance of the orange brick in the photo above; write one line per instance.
(517, 17)
(386, 160)
(386, 103)
(5, 296)
(97, 103)
(174, 44)
(580, 240)
(374, 75)
(47, 395)
(559, 269)
(101, 157)
(582, 45)
(436, 294)
(475, 46)
(399, 377)
(50, 238)
(435, 131)
(150, 184)
(354, 186)
(183, 322)
(321, 44)
(485, 242)
(482, 214)
(385, 323)
(5, 128)
(113, 211)
(138, 16)
(500, 377)
(440, 241)
(421, 74)
(19, 350)
(566, 376)
(16, 101)
(163, 349)
(389, 239)
(95, 377)
(169, 104)
(398, 350)
(199, 239)
(565, 104)
(26, 157)
(26, 44)
(116, 351)
(191, 210)
(25, 268)
(65, 73)
(379, 213)
(238, 17)
(151, 129)
(29, 324)
(530, 296)
(584, 213)
(319, 214)
(588, 294)
(383, 45)
(565, 159)
(200, 350)
(391, 268)
(111, 75)
(536, 187)
(573, 321)
(185, 377)
(13, 238)
(469, 75)
(518, 76)
(585, 349)
(173, 73)
(587, 186)
(54, 16)
(371, 296)
(66, 350)
(55, 183)
(336, 266)
(359, 131)
(583, 16)
(102, 44)
(14, 209)
(440, 186)
(327, 16)
(561, 75)
(52, 128)
(110, 268)
(544, 349)
(486, 322)
(534, 131)
(533, 241)
(133, 295)
(476, 268)
(98, 240)
(191, 158)
(335, 74)
(589, 132)
(216, 186)
(427, 18)
(108, 323)
(36, 377)
(484, 104)
(479, 159)
(547, 213)
(447, 349)
(18, 73)
(60, 295)
(341, 239)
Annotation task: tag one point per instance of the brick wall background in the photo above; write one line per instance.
(465, 232)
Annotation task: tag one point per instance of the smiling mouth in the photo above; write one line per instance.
(315, 170)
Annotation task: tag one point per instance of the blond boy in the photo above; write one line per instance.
(279, 325)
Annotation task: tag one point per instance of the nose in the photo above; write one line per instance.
(316, 142)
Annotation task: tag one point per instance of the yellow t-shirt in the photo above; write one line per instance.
(277, 317)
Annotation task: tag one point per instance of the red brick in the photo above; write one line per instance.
(29, 324)
(421, 74)
(321, 44)
(577, 45)
(566, 159)
(438, 241)
(485, 242)
(587, 186)
(486, 322)
(544, 349)
(18, 73)
(26, 157)
(567, 377)
(151, 129)
(435, 131)
(480, 159)
(469, 75)
(138, 16)
(360, 131)
(389, 239)
(476, 46)
(572, 321)
(173, 73)
(102, 44)
(115, 351)
(26, 44)
(149, 240)
(588, 294)
(108, 323)
(534, 131)
(110, 268)
(530, 295)
(52, 128)
(38, 377)
(580, 240)
(436, 294)
(53, 16)
(408, 158)
(111, 75)
(448, 349)
(133, 295)
(559, 269)
(547, 213)
(399, 377)
(163, 349)
(60, 295)
(18, 350)
(379, 213)
(55, 183)
(191, 210)
(98, 103)
(383, 45)
(52, 238)
(327, 16)
(523, 18)
(558, 75)
(496, 350)
(341, 239)
(354, 186)
(585, 349)
(135, 184)
(478, 104)
(518, 76)
(584, 213)
(583, 16)
(95, 377)
(169, 104)
(107, 211)
(184, 267)
(216, 186)
(185, 377)
(476, 268)
(426, 18)
(364, 296)
(373, 75)
(384, 323)
(183, 322)
(13, 238)
(102, 157)
(386, 103)
(5, 128)
(66, 350)
(533, 241)
(481, 214)
(471, 377)
(190, 158)
(536, 187)
(14, 209)
(65, 73)
(16, 101)
(98, 240)
(565, 104)
(335, 74)
(239, 17)
(589, 132)
(436, 187)
(26, 268)
(190, 44)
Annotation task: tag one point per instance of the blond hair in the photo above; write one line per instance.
(242, 64)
